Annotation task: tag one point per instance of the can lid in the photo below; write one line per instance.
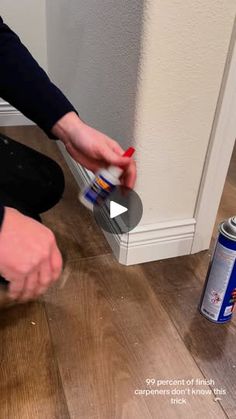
(229, 227)
(233, 220)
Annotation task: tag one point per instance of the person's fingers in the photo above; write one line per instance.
(116, 147)
(110, 153)
(16, 288)
(45, 277)
(90, 163)
(45, 272)
(56, 263)
(112, 157)
(30, 287)
(129, 176)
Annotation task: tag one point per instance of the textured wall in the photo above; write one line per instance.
(185, 46)
(28, 19)
(150, 75)
(93, 53)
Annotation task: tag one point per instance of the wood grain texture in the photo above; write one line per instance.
(30, 385)
(177, 273)
(111, 334)
(111, 327)
(211, 345)
(178, 283)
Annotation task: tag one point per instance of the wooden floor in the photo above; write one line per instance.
(86, 350)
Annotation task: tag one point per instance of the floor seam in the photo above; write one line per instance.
(194, 360)
(56, 360)
(78, 259)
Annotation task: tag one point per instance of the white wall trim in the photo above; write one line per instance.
(153, 242)
(9, 116)
(164, 240)
(157, 241)
(218, 155)
(144, 243)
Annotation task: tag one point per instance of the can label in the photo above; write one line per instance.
(219, 296)
(99, 190)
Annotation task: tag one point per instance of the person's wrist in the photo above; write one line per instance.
(65, 128)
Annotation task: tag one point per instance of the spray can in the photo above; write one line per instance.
(219, 293)
(103, 185)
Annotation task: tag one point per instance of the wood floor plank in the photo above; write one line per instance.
(30, 385)
(211, 345)
(178, 273)
(74, 226)
(113, 326)
(110, 334)
(178, 283)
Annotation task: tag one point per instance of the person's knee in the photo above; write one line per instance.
(52, 186)
(56, 184)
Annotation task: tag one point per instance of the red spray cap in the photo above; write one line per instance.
(129, 152)
(117, 171)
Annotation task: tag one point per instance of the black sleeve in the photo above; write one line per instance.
(2, 210)
(26, 86)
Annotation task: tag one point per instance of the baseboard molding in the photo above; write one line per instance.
(158, 241)
(10, 116)
(145, 243)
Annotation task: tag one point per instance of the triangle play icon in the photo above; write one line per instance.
(116, 209)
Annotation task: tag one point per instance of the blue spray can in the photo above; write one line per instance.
(219, 293)
(103, 184)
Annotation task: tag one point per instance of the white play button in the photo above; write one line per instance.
(116, 209)
(120, 212)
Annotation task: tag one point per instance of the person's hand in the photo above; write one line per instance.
(29, 256)
(93, 149)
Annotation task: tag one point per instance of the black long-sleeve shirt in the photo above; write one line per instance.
(26, 86)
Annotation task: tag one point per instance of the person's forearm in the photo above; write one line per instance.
(67, 126)
(25, 85)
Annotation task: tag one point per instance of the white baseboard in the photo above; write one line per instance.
(146, 242)
(10, 116)
(157, 241)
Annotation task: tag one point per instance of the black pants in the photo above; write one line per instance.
(29, 181)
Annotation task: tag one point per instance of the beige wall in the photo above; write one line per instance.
(184, 50)
(93, 54)
(28, 19)
(149, 75)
